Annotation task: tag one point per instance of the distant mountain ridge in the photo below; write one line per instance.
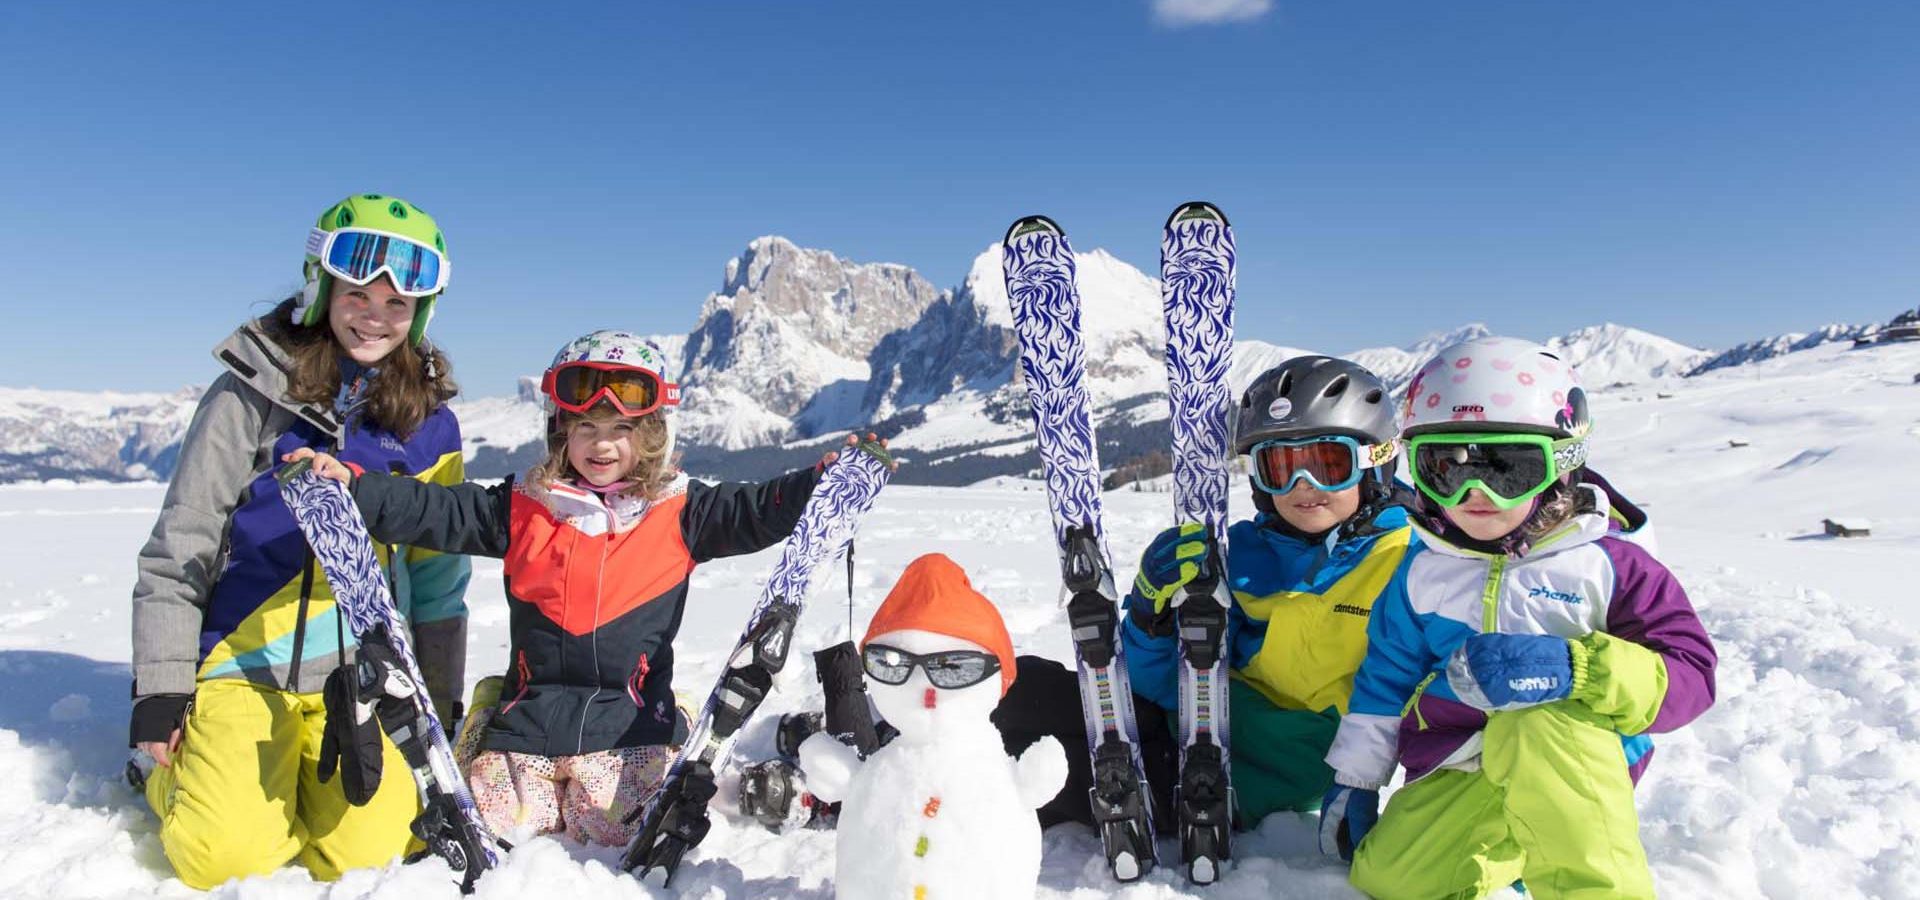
(798, 345)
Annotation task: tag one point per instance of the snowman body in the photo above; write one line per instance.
(929, 821)
(941, 812)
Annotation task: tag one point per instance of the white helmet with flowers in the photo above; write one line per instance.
(1496, 383)
(624, 370)
(1516, 391)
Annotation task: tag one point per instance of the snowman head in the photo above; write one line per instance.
(937, 655)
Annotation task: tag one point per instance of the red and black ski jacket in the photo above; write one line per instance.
(595, 590)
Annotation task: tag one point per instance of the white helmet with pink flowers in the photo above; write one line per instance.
(1496, 384)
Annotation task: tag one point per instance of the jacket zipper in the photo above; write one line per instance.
(1490, 595)
(593, 640)
(525, 675)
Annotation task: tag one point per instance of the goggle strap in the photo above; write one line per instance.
(1570, 456)
(317, 242)
(1373, 456)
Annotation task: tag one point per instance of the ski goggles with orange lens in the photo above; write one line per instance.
(633, 391)
(358, 256)
(1331, 462)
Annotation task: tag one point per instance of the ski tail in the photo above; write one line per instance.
(1197, 276)
(675, 819)
(1038, 264)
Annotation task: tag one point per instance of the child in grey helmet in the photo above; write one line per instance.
(1304, 572)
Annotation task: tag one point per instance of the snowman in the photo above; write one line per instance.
(941, 812)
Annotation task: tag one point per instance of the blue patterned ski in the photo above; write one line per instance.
(448, 822)
(674, 819)
(1196, 292)
(1039, 269)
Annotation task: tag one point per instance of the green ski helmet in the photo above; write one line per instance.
(371, 212)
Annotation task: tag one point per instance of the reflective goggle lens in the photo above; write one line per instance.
(1510, 472)
(949, 669)
(578, 386)
(357, 256)
(1330, 464)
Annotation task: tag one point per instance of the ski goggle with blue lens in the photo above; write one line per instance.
(1329, 462)
(1509, 468)
(358, 256)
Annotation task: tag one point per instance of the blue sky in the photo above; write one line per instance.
(1711, 170)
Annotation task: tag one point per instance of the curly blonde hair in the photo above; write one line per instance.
(652, 471)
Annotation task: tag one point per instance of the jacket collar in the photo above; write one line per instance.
(593, 513)
(263, 365)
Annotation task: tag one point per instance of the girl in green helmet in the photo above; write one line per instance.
(234, 628)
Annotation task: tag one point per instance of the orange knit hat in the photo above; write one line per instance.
(934, 595)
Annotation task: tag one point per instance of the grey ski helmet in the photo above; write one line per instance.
(1315, 395)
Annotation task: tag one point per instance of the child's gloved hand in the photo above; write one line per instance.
(1346, 815)
(1511, 671)
(1172, 559)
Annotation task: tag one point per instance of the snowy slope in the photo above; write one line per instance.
(1803, 781)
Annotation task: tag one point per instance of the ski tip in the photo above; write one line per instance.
(1196, 209)
(1030, 224)
(293, 470)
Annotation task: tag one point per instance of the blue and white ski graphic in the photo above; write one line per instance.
(448, 822)
(1196, 292)
(675, 818)
(1039, 268)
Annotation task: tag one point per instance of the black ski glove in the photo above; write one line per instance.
(351, 742)
(848, 717)
(155, 717)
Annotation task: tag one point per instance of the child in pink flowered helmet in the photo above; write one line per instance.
(1520, 664)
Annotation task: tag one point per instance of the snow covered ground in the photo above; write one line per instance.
(1803, 781)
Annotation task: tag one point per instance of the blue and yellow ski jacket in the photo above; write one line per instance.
(1297, 628)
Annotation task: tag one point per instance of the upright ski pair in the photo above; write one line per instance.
(675, 819)
(448, 823)
(1197, 296)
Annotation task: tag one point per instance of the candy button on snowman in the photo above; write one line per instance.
(941, 811)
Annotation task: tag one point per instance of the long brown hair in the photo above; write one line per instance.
(414, 380)
(651, 473)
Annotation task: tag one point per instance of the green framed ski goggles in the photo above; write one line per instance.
(1509, 468)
